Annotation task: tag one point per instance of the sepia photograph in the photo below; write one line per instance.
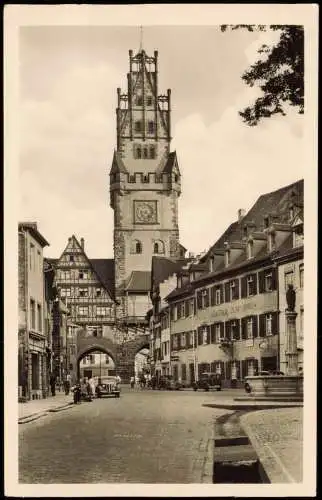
(156, 180)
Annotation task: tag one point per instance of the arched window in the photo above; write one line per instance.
(138, 247)
(158, 247)
(138, 152)
(145, 153)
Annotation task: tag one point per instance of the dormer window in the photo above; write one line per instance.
(227, 258)
(291, 213)
(298, 236)
(245, 231)
(250, 250)
(179, 281)
(211, 264)
(271, 242)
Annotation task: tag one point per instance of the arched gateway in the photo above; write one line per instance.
(123, 354)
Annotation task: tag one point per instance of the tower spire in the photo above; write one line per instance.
(141, 38)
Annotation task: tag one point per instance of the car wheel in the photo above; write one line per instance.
(218, 388)
(195, 389)
(206, 389)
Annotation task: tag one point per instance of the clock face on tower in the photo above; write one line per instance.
(145, 212)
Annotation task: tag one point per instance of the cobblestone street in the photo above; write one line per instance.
(143, 437)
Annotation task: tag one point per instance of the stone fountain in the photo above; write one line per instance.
(287, 387)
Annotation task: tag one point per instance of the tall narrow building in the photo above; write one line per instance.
(145, 184)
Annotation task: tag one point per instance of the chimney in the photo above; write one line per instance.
(82, 243)
(241, 214)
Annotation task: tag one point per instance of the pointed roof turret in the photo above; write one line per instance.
(117, 164)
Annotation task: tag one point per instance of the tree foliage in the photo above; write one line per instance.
(280, 75)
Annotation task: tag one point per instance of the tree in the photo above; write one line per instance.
(280, 75)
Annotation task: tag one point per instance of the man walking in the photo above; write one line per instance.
(52, 382)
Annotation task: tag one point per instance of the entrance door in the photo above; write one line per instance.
(34, 371)
(269, 363)
(87, 373)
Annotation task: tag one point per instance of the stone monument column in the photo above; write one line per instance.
(291, 339)
(291, 344)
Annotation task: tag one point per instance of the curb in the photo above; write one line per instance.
(253, 407)
(36, 416)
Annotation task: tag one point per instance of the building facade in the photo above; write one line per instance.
(145, 184)
(97, 364)
(33, 334)
(227, 310)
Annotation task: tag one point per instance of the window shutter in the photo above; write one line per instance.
(206, 297)
(222, 326)
(212, 296)
(255, 361)
(227, 329)
(262, 325)
(221, 293)
(275, 323)
(208, 335)
(199, 300)
(261, 282)
(254, 276)
(212, 334)
(244, 328)
(274, 278)
(227, 292)
(199, 335)
(186, 308)
(223, 373)
(237, 288)
(243, 368)
(179, 341)
(237, 331)
(228, 369)
(244, 286)
(195, 338)
(255, 326)
(238, 369)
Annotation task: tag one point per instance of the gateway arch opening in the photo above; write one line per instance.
(95, 363)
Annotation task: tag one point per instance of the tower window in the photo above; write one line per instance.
(138, 247)
(145, 153)
(152, 152)
(156, 248)
(138, 152)
(150, 127)
(149, 101)
(176, 178)
(138, 126)
(139, 100)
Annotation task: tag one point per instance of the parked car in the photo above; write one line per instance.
(208, 381)
(167, 382)
(108, 386)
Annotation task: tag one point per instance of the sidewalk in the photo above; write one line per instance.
(277, 437)
(38, 407)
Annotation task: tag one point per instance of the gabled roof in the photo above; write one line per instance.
(276, 201)
(117, 164)
(172, 162)
(33, 230)
(104, 269)
(162, 268)
(139, 281)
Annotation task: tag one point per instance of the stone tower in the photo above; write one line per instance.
(144, 184)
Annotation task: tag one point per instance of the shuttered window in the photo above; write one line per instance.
(199, 300)
(243, 286)
(227, 330)
(227, 292)
(184, 372)
(212, 334)
(212, 295)
(186, 308)
(235, 329)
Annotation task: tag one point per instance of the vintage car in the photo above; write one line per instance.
(107, 386)
(167, 382)
(208, 381)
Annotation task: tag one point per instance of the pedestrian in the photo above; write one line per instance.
(52, 382)
(118, 379)
(132, 382)
(67, 383)
(92, 385)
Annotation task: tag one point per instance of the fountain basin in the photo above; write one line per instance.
(275, 386)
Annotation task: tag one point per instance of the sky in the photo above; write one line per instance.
(68, 76)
